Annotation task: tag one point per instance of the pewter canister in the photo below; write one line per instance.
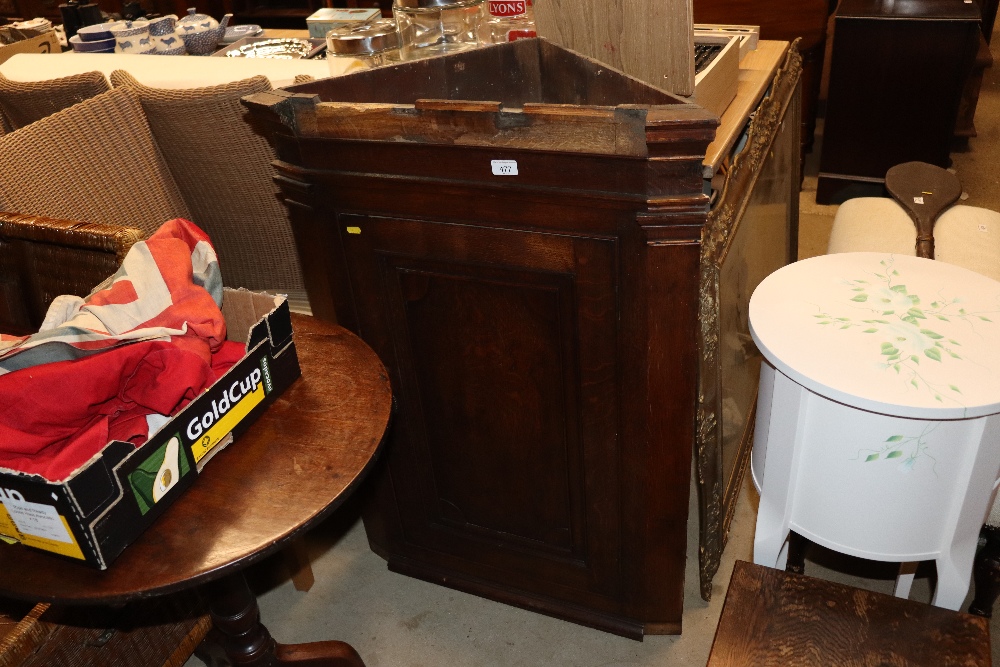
(373, 44)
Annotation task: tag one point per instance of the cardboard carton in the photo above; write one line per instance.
(108, 502)
(44, 43)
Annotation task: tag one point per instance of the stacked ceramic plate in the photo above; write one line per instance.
(37, 26)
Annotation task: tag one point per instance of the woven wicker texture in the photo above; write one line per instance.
(41, 258)
(155, 633)
(22, 634)
(223, 169)
(25, 102)
(95, 162)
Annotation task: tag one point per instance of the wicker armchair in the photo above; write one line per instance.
(100, 161)
(222, 167)
(41, 258)
(22, 103)
(96, 161)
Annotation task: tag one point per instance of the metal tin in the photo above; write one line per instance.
(363, 40)
(435, 4)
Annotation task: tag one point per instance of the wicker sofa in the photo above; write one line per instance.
(130, 159)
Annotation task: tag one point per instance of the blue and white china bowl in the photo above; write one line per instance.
(97, 32)
(81, 46)
(132, 37)
(178, 51)
(170, 44)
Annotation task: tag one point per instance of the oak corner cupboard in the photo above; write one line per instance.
(537, 262)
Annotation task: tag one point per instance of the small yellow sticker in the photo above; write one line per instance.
(353, 230)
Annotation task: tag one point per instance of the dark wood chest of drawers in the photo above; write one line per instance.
(896, 78)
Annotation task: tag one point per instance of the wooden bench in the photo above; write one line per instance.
(776, 618)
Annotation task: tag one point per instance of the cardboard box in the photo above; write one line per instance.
(324, 20)
(44, 43)
(106, 504)
(749, 34)
(715, 86)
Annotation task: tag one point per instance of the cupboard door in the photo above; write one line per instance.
(501, 347)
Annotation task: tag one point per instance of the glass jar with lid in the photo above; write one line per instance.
(436, 27)
(372, 44)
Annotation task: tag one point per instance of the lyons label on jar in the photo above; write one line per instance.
(508, 7)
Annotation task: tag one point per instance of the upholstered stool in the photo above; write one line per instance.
(878, 419)
(964, 235)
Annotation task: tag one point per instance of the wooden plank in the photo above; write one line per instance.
(651, 40)
(537, 127)
(715, 86)
(756, 72)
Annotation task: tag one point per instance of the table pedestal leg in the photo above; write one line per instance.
(246, 642)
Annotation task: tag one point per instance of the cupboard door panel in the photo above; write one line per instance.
(501, 344)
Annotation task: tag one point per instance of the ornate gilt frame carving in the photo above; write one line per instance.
(715, 508)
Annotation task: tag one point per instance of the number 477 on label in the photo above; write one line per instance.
(504, 167)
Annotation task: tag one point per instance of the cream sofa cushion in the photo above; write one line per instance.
(969, 237)
(872, 224)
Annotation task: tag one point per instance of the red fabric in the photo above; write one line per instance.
(61, 411)
(58, 415)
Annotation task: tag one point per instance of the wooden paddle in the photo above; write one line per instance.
(924, 191)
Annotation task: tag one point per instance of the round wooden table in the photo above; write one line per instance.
(878, 421)
(292, 468)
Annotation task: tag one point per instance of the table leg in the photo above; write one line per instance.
(796, 553)
(245, 641)
(904, 580)
(987, 574)
(786, 416)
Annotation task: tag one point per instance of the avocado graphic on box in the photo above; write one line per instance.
(158, 474)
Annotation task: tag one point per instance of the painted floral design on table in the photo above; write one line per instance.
(902, 449)
(902, 326)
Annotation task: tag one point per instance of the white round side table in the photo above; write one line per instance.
(878, 416)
